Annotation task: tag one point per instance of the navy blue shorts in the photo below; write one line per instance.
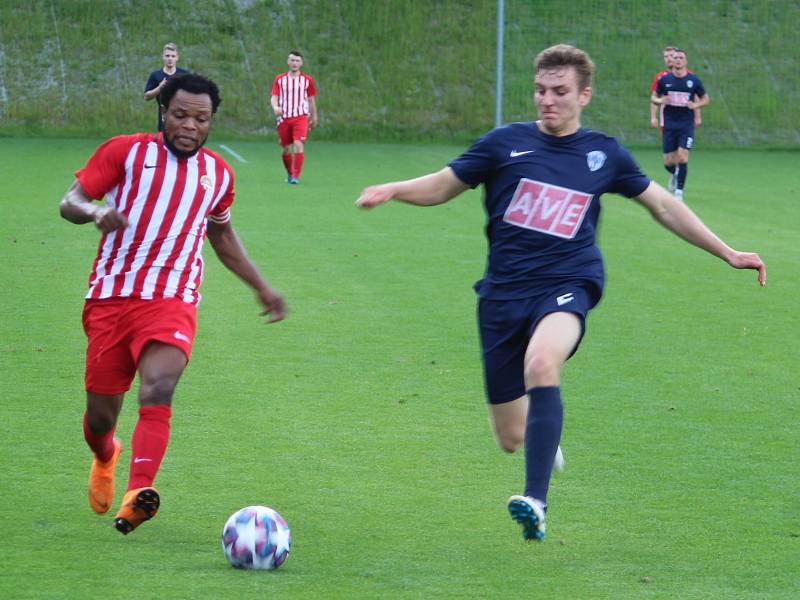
(506, 327)
(672, 139)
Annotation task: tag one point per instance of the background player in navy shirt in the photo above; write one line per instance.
(543, 182)
(679, 92)
(158, 78)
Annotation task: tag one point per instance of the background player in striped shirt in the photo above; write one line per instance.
(164, 194)
(293, 100)
(656, 112)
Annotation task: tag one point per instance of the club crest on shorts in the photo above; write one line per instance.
(206, 182)
(595, 159)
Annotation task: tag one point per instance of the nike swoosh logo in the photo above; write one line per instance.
(138, 460)
(514, 153)
(150, 166)
(181, 336)
(562, 300)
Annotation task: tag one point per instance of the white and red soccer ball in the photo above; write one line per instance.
(256, 537)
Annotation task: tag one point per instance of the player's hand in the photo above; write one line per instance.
(278, 112)
(274, 305)
(654, 123)
(698, 121)
(312, 124)
(107, 219)
(749, 260)
(375, 195)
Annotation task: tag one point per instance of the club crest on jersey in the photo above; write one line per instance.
(595, 159)
(690, 83)
(206, 182)
(548, 208)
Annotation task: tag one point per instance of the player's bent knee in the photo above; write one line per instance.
(543, 369)
(100, 422)
(510, 444)
(157, 391)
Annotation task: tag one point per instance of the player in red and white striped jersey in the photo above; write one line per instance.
(164, 194)
(293, 100)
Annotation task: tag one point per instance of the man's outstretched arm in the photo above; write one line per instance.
(428, 190)
(679, 219)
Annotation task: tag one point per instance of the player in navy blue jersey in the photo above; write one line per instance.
(679, 92)
(159, 78)
(543, 181)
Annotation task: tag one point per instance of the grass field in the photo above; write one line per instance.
(361, 417)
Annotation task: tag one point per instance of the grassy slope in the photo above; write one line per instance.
(395, 70)
(361, 417)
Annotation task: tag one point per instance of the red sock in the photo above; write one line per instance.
(149, 444)
(102, 445)
(297, 164)
(287, 162)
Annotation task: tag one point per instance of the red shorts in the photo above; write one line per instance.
(118, 329)
(291, 129)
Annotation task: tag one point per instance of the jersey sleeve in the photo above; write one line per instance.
(654, 85)
(476, 165)
(276, 90)
(152, 82)
(106, 167)
(699, 89)
(629, 180)
(660, 89)
(221, 213)
(312, 89)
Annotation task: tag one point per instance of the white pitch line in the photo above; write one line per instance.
(235, 155)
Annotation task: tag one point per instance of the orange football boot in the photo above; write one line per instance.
(101, 481)
(138, 506)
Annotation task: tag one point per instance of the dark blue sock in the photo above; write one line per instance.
(670, 168)
(542, 436)
(683, 169)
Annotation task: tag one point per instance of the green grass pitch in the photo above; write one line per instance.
(361, 418)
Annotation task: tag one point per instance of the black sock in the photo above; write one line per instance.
(670, 168)
(542, 436)
(682, 171)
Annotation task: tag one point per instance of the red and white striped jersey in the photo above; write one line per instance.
(293, 94)
(166, 201)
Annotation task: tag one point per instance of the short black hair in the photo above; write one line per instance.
(192, 83)
(296, 52)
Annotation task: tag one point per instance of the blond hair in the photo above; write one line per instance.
(170, 46)
(564, 55)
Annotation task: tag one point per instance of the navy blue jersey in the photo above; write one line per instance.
(542, 200)
(680, 90)
(152, 83)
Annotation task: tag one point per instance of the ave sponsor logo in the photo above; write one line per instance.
(547, 208)
(679, 98)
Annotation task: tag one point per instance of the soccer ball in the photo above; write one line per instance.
(256, 537)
